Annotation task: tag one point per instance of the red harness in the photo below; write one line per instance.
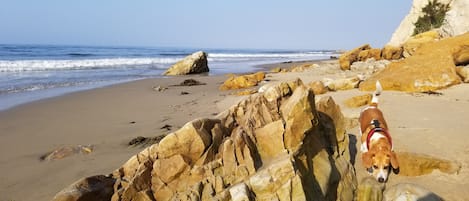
(373, 131)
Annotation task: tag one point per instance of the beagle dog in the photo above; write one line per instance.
(377, 151)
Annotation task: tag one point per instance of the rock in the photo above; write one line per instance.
(461, 56)
(342, 84)
(273, 145)
(93, 188)
(358, 101)
(303, 67)
(67, 151)
(192, 64)
(390, 52)
(410, 192)
(369, 53)
(429, 69)
(347, 58)
(412, 164)
(243, 81)
(463, 72)
(370, 190)
(276, 70)
(414, 42)
(318, 87)
(369, 66)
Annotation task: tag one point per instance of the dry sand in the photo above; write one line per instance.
(110, 117)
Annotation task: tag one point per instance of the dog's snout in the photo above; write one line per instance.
(381, 179)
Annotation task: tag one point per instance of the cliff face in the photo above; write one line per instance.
(456, 20)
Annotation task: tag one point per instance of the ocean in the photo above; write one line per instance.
(34, 72)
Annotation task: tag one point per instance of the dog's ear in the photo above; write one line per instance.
(393, 159)
(367, 159)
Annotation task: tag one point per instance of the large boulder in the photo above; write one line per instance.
(431, 67)
(391, 52)
(275, 145)
(192, 64)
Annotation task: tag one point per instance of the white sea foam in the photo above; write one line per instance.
(44, 65)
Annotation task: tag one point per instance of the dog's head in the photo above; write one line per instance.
(379, 161)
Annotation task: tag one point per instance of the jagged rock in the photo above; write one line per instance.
(273, 145)
(370, 190)
(67, 151)
(369, 53)
(409, 192)
(414, 42)
(390, 52)
(318, 87)
(347, 58)
(358, 101)
(463, 72)
(93, 188)
(429, 69)
(342, 84)
(192, 64)
(243, 81)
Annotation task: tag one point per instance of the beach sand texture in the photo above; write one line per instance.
(108, 118)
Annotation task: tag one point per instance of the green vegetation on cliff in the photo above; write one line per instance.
(434, 15)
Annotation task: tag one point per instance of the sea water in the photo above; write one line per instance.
(33, 72)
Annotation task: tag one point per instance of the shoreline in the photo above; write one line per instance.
(109, 117)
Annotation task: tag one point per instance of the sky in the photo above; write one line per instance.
(252, 24)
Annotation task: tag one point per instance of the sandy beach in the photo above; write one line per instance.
(108, 118)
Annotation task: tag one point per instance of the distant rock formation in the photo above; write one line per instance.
(456, 21)
(243, 81)
(192, 64)
(275, 145)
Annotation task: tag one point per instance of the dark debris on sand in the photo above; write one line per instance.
(190, 82)
(145, 141)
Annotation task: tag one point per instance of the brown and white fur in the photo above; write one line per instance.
(377, 154)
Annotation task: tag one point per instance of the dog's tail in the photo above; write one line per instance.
(377, 92)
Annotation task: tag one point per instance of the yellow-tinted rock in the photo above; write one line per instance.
(243, 81)
(358, 101)
(391, 52)
(318, 87)
(411, 45)
(430, 68)
(370, 190)
(461, 56)
(369, 53)
(463, 72)
(347, 58)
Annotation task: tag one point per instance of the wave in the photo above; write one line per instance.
(44, 65)
(268, 55)
(80, 54)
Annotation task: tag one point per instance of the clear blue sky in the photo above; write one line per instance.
(260, 24)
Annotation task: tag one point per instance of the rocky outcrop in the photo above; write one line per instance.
(192, 64)
(391, 52)
(347, 58)
(341, 84)
(275, 145)
(463, 72)
(456, 20)
(430, 68)
(243, 81)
